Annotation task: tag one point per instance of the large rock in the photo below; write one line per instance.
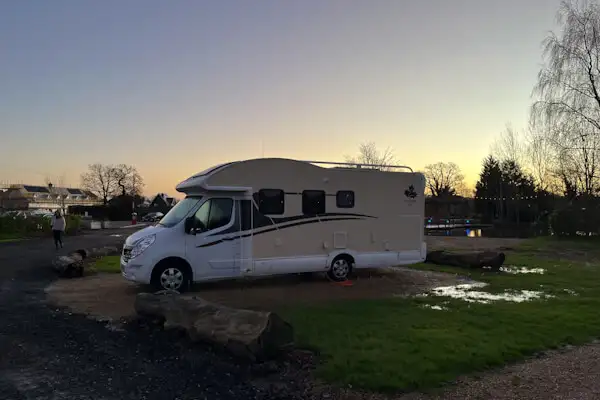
(256, 335)
(69, 266)
(483, 259)
(73, 265)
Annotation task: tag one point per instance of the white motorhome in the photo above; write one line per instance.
(273, 216)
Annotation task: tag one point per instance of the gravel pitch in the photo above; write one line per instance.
(47, 353)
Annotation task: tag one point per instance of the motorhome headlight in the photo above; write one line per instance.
(141, 245)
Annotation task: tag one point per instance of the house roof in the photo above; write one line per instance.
(62, 191)
(169, 201)
(35, 189)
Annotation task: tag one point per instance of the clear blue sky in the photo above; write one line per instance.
(175, 86)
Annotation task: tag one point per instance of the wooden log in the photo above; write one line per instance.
(256, 335)
(491, 259)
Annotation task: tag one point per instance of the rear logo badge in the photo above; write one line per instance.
(410, 192)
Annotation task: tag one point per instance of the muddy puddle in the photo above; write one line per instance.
(435, 307)
(467, 292)
(513, 269)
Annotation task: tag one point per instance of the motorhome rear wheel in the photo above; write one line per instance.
(341, 268)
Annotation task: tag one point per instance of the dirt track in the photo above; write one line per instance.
(110, 296)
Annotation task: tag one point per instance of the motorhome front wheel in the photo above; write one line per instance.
(171, 276)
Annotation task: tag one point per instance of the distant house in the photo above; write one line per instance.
(45, 198)
(161, 202)
(146, 202)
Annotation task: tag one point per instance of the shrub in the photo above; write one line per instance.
(34, 225)
(73, 223)
(578, 218)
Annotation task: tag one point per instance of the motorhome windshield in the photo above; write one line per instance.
(179, 212)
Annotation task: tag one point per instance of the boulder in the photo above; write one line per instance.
(73, 264)
(491, 259)
(69, 266)
(256, 335)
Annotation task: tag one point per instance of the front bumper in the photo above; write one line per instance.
(134, 272)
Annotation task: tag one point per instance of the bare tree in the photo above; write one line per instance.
(53, 185)
(56, 181)
(128, 180)
(541, 159)
(444, 179)
(368, 153)
(100, 180)
(568, 87)
(509, 146)
(579, 159)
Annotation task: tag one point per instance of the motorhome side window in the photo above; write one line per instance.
(313, 202)
(344, 199)
(271, 201)
(214, 213)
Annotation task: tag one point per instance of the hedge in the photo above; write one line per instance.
(20, 226)
(580, 218)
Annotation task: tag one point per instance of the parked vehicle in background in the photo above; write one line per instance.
(153, 217)
(274, 216)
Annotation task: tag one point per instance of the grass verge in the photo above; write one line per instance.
(5, 238)
(399, 345)
(110, 264)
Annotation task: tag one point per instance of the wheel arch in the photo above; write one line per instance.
(173, 260)
(342, 253)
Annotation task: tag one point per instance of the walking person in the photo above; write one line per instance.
(58, 228)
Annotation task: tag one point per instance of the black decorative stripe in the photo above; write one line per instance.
(264, 221)
(276, 227)
(282, 220)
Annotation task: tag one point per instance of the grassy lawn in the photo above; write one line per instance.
(399, 344)
(110, 264)
(5, 237)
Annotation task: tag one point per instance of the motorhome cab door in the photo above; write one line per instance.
(215, 249)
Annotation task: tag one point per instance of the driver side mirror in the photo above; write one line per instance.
(194, 226)
(189, 225)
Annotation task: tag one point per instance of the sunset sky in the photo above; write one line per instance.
(173, 87)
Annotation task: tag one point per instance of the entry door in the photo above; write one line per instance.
(215, 251)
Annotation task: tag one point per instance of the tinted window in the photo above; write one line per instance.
(313, 202)
(271, 201)
(214, 213)
(220, 213)
(180, 211)
(344, 199)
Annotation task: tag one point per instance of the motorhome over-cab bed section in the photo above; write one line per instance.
(283, 216)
